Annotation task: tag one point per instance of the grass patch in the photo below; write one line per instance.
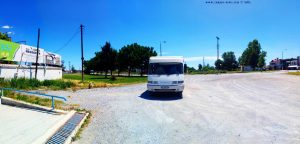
(101, 80)
(35, 100)
(31, 84)
(294, 73)
(207, 72)
(226, 72)
(84, 125)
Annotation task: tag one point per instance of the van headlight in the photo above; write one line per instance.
(152, 82)
(174, 82)
(180, 82)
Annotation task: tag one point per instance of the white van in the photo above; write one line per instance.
(166, 74)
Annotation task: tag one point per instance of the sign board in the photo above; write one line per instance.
(10, 51)
(52, 58)
(27, 53)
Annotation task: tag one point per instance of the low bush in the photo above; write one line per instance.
(113, 78)
(34, 99)
(23, 83)
(58, 84)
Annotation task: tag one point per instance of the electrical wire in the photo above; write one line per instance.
(67, 43)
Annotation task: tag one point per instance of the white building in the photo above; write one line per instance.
(18, 60)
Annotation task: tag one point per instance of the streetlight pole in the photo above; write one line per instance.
(160, 47)
(217, 47)
(282, 58)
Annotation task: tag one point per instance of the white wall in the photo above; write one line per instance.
(8, 71)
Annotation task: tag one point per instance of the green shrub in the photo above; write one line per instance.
(23, 83)
(113, 78)
(58, 84)
(34, 83)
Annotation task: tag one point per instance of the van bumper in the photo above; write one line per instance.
(165, 88)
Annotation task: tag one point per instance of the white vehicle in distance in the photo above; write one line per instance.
(165, 74)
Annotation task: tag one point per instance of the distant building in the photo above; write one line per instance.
(285, 64)
(294, 64)
(246, 68)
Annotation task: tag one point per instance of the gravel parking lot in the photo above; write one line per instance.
(229, 108)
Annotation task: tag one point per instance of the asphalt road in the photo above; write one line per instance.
(229, 108)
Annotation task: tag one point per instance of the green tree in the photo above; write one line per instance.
(122, 63)
(185, 68)
(128, 58)
(63, 67)
(73, 70)
(229, 61)
(143, 59)
(4, 37)
(261, 60)
(135, 56)
(94, 64)
(191, 69)
(219, 64)
(199, 67)
(208, 68)
(251, 54)
(108, 58)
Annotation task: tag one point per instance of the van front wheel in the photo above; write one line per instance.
(179, 93)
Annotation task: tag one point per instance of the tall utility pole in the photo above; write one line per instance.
(82, 58)
(217, 47)
(37, 54)
(160, 47)
(203, 62)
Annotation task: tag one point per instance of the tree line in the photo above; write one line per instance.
(127, 59)
(252, 56)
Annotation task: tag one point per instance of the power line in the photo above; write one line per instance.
(67, 43)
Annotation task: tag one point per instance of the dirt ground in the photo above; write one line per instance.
(228, 108)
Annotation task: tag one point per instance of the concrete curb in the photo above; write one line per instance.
(69, 139)
(12, 102)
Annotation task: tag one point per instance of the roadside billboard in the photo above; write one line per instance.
(52, 58)
(27, 53)
(10, 51)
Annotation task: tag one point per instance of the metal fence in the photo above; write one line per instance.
(35, 93)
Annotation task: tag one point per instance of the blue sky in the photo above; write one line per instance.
(189, 27)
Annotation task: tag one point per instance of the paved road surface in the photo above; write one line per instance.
(229, 108)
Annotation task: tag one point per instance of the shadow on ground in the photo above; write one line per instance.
(161, 96)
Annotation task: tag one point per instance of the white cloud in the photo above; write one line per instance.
(7, 27)
(10, 33)
(200, 58)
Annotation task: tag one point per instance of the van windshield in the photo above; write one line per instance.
(165, 68)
